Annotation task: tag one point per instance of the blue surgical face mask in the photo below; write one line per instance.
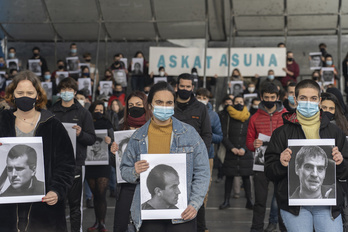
(74, 50)
(47, 76)
(307, 108)
(163, 113)
(271, 77)
(11, 55)
(329, 62)
(67, 96)
(291, 100)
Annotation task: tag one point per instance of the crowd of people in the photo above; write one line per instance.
(173, 116)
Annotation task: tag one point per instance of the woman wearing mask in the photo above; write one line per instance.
(136, 114)
(238, 159)
(29, 119)
(97, 176)
(164, 134)
(115, 113)
(329, 104)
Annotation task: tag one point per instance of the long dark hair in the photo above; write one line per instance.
(341, 120)
(143, 97)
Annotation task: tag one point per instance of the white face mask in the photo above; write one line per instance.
(161, 73)
(204, 102)
(251, 89)
(82, 102)
(106, 104)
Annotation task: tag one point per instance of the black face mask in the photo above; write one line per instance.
(25, 103)
(268, 104)
(88, 60)
(97, 115)
(61, 67)
(136, 112)
(329, 115)
(290, 59)
(184, 94)
(239, 107)
(315, 78)
(117, 93)
(36, 54)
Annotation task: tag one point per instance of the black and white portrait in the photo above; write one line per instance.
(248, 98)
(85, 86)
(47, 86)
(34, 66)
(121, 138)
(137, 66)
(12, 64)
(98, 153)
(163, 186)
(315, 62)
(236, 88)
(259, 154)
(328, 75)
(73, 64)
(120, 77)
(124, 62)
(2, 79)
(23, 175)
(61, 76)
(105, 88)
(312, 172)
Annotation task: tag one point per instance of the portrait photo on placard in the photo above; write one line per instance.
(248, 98)
(61, 76)
(22, 170)
(328, 75)
(34, 66)
(12, 64)
(120, 77)
(163, 186)
(73, 64)
(311, 172)
(121, 139)
(47, 86)
(105, 88)
(236, 88)
(259, 154)
(315, 61)
(158, 79)
(137, 66)
(98, 153)
(2, 79)
(85, 86)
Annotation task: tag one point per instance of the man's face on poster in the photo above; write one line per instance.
(137, 67)
(236, 89)
(86, 84)
(170, 194)
(312, 173)
(96, 146)
(18, 171)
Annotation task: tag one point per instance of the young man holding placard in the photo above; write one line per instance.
(306, 123)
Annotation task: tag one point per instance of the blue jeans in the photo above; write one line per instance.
(273, 214)
(318, 217)
(88, 192)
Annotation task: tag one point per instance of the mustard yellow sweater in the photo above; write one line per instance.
(159, 137)
(310, 126)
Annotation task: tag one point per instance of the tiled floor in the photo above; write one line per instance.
(236, 218)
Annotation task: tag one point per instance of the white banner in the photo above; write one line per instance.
(249, 61)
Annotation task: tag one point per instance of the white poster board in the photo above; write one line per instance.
(120, 77)
(29, 184)
(72, 134)
(259, 154)
(158, 79)
(170, 169)
(105, 88)
(315, 62)
(248, 60)
(73, 64)
(328, 75)
(236, 88)
(98, 153)
(12, 64)
(137, 66)
(85, 85)
(47, 86)
(34, 66)
(61, 76)
(121, 138)
(311, 172)
(248, 98)
(125, 62)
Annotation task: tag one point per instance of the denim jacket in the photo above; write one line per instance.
(184, 139)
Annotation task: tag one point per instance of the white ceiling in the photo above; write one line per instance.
(143, 20)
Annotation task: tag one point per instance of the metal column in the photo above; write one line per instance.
(205, 45)
(96, 82)
(341, 82)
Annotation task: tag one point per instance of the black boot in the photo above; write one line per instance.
(247, 189)
(226, 204)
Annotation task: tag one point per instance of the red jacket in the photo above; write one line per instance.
(121, 98)
(265, 123)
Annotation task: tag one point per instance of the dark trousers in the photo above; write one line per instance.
(167, 226)
(74, 199)
(261, 183)
(123, 204)
(138, 82)
(201, 226)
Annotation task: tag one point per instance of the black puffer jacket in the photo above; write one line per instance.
(276, 172)
(59, 174)
(235, 165)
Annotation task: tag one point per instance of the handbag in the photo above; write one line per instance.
(222, 149)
